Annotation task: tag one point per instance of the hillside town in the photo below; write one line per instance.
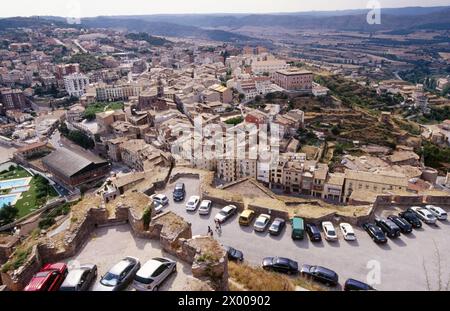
(100, 127)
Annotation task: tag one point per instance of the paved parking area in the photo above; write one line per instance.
(108, 245)
(398, 265)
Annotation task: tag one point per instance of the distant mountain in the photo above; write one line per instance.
(28, 22)
(355, 20)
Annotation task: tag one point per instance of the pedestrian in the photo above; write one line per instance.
(209, 230)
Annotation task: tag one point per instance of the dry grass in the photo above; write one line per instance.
(256, 279)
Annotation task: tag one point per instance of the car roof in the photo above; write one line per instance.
(327, 224)
(160, 196)
(54, 266)
(120, 266)
(73, 277)
(247, 212)
(229, 207)
(149, 268)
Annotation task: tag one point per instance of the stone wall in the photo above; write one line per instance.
(18, 279)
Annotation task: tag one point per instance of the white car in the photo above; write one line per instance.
(225, 213)
(261, 223)
(153, 273)
(193, 202)
(425, 215)
(205, 207)
(347, 231)
(437, 211)
(330, 232)
(161, 199)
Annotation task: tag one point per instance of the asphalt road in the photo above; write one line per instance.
(398, 265)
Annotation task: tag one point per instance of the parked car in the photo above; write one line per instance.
(161, 199)
(280, 264)
(313, 233)
(234, 254)
(261, 223)
(277, 226)
(425, 215)
(205, 207)
(246, 217)
(440, 213)
(355, 285)
(320, 274)
(375, 233)
(412, 218)
(119, 276)
(403, 224)
(298, 228)
(329, 231)
(48, 279)
(347, 231)
(79, 279)
(225, 213)
(179, 192)
(153, 273)
(192, 203)
(388, 227)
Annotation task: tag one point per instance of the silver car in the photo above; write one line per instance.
(120, 276)
(153, 273)
(261, 223)
(205, 207)
(79, 279)
(425, 215)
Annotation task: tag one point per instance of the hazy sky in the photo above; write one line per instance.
(85, 8)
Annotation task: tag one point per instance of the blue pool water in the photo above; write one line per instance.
(7, 199)
(8, 184)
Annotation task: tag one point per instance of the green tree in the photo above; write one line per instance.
(8, 214)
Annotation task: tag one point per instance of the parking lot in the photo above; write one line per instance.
(397, 265)
(109, 245)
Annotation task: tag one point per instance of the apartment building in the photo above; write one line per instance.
(66, 69)
(294, 79)
(76, 84)
(372, 182)
(12, 99)
(106, 92)
(225, 94)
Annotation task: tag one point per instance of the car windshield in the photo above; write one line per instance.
(142, 280)
(110, 279)
(331, 232)
(260, 222)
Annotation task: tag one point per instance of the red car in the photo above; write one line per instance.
(48, 279)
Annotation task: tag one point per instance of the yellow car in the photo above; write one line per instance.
(246, 217)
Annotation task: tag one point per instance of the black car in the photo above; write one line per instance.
(404, 226)
(233, 254)
(412, 218)
(179, 192)
(320, 274)
(375, 233)
(280, 264)
(277, 226)
(354, 285)
(388, 227)
(313, 233)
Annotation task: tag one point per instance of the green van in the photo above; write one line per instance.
(298, 228)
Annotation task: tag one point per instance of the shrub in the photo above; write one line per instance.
(19, 258)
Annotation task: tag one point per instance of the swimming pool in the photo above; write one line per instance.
(20, 189)
(8, 199)
(14, 183)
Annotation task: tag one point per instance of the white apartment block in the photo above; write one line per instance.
(76, 84)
